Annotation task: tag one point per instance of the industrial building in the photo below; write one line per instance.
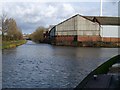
(79, 30)
(76, 29)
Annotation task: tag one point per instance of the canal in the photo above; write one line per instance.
(46, 66)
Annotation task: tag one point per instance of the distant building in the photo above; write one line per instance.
(76, 29)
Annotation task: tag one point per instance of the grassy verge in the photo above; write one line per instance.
(12, 44)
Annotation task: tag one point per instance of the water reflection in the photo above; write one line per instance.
(42, 66)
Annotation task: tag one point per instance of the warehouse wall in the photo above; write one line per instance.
(110, 31)
(68, 27)
(87, 27)
(78, 25)
(64, 40)
(88, 30)
(76, 28)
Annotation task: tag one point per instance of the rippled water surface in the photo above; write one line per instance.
(45, 66)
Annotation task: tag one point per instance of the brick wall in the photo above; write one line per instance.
(65, 38)
(108, 39)
(88, 38)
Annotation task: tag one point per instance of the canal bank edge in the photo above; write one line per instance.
(102, 69)
(12, 44)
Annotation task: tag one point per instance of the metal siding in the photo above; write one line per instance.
(83, 28)
(86, 27)
(105, 20)
(68, 27)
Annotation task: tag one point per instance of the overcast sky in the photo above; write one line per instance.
(30, 15)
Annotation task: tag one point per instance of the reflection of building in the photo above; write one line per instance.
(76, 29)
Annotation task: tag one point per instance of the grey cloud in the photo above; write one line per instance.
(31, 15)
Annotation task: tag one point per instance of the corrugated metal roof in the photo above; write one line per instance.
(105, 20)
(102, 20)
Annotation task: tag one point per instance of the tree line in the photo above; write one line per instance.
(10, 30)
(39, 34)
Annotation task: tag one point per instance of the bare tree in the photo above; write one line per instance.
(3, 24)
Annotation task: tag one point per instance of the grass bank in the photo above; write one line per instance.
(12, 44)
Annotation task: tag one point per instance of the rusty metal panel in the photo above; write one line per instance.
(105, 20)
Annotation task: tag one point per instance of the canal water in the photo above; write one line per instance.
(46, 66)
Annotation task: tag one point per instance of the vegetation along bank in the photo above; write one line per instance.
(11, 33)
(12, 44)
